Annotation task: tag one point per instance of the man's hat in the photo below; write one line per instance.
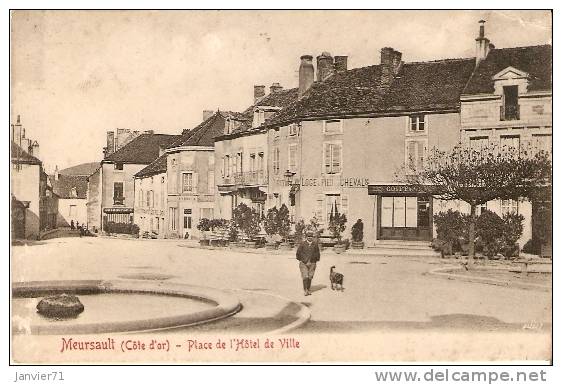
(309, 234)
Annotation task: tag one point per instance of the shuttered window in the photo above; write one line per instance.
(292, 157)
(332, 158)
(319, 212)
(276, 160)
(415, 154)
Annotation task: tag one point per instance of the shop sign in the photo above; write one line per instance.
(335, 181)
(398, 189)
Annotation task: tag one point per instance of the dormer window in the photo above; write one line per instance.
(73, 193)
(259, 117)
(417, 123)
(118, 166)
(227, 127)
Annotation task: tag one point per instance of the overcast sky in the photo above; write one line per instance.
(78, 74)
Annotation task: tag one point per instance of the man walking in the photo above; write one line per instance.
(308, 253)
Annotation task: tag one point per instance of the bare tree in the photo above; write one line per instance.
(479, 175)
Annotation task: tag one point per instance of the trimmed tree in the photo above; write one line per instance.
(476, 176)
(284, 223)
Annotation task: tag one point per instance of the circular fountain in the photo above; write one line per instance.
(52, 307)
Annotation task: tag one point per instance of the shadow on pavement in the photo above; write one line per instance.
(457, 322)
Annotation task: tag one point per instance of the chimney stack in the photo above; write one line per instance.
(340, 63)
(391, 62)
(483, 45)
(57, 172)
(207, 114)
(275, 87)
(110, 143)
(259, 92)
(324, 66)
(306, 74)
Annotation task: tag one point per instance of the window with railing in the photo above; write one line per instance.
(510, 108)
(118, 198)
(187, 182)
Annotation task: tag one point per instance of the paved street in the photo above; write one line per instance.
(391, 293)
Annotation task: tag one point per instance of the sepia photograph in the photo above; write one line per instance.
(289, 186)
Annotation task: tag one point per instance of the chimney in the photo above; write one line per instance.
(259, 92)
(324, 66)
(340, 63)
(34, 149)
(275, 87)
(17, 132)
(482, 44)
(391, 61)
(306, 74)
(110, 143)
(56, 172)
(207, 114)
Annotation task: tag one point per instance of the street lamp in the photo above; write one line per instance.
(289, 177)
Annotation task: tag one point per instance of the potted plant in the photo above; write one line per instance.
(270, 225)
(357, 235)
(284, 227)
(300, 227)
(204, 226)
(337, 227)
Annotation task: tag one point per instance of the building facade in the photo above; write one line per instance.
(191, 176)
(34, 203)
(71, 191)
(341, 145)
(241, 152)
(117, 185)
(507, 104)
(151, 197)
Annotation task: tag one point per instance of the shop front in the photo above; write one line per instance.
(403, 212)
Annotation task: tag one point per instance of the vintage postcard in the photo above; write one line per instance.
(280, 186)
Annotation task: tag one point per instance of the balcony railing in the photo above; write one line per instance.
(250, 177)
(509, 112)
(118, 201)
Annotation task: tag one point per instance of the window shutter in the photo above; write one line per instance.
(411, 155)
(421, 155)
(194, 182)
(344, 205)
(211, 182)
(320, 207)
(327, 158)
(336, 158)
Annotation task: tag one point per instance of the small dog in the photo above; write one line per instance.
(336, 279)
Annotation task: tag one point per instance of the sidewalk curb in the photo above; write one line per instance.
(444, 272)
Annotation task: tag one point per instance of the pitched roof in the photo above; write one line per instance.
(144, 149)
(282, 99)
(160, 165)
(433, 85)
(205, 133)
(19, 155)
(81, 169)
(65, 183)
(535, 60)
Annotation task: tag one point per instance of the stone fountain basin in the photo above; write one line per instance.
(220, 305)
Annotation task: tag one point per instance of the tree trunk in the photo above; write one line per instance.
(471, 234)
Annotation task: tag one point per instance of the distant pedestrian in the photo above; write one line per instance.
(72, 224)
(308, 253)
